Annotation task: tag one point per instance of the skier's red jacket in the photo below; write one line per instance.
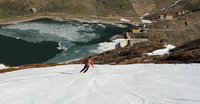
(88, 62)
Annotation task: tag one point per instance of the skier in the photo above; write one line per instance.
(87, 63)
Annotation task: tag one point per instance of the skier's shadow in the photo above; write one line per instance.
(65, 73)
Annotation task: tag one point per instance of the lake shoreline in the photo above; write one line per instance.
(64, 17)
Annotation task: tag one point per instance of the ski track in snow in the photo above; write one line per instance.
(185, 101)
(103, 84)
(92, 89)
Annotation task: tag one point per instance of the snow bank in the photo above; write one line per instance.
(2, 66)
(106, 46)
(177, 1)
(123, 19)
(146, 14)
(146, 21)
(162, 51)
(103, 84)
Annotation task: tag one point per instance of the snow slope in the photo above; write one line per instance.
(103, 84)
(2, 66)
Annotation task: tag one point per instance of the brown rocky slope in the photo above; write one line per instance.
(187, 53)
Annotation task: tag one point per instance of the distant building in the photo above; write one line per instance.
(169, 16)
(34, 10)
(179, 13)
(162, 16)
(135, 30)
(129, 42)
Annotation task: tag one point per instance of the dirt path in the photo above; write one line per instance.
(64, 17)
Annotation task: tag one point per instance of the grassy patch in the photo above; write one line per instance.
(164, 3)
(10, 9)
(192, 6)
(115, 7)
(72, 7)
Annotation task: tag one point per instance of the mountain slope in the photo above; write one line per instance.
(103, 84)
(108, 8)
(150, 6)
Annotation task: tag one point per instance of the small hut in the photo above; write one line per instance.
(169, 16)
(136, 30)
(162, 17)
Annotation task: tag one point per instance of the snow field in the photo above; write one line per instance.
(103, 84)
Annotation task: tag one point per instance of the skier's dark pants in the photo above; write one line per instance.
(85, 68)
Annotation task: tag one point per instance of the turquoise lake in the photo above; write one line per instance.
(47, 40)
